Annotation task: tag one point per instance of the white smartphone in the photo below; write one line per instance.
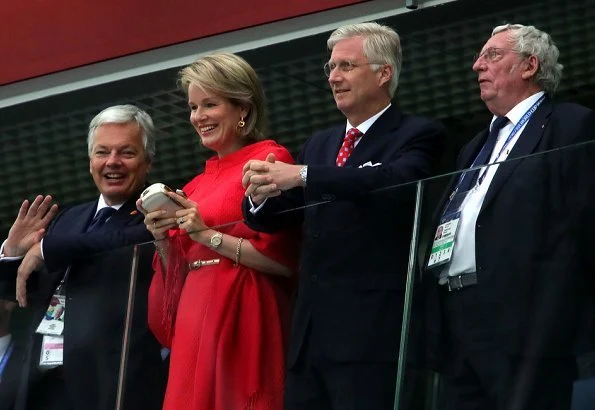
(155, 197)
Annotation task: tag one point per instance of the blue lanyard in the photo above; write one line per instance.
(514, 131)
(5, 358)
(524, 119)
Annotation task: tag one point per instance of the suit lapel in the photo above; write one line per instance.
(126, 215)
(465, 160)
(472, 149)
(335, 141)
(81, 223)
(388, 121)
(525, 145)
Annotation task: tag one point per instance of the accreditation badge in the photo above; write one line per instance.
(444, 240)
(52, 323)
(52, 351)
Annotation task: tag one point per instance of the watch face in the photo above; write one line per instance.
(216, 240)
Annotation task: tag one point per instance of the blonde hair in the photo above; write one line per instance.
(231, 77)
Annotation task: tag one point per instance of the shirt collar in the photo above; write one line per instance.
(515, 115)
(102, 204)
(365, 126)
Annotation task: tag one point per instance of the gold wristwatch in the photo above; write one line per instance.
(216, 240)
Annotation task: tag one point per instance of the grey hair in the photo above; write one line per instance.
(122, 114)
(528, 41)
(381, 45)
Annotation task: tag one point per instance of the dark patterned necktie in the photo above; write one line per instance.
(102, 216)
(470, 177)
(483, 158)
(348, 144)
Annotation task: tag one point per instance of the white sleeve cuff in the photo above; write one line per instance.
(8, 258)
(41, 249)
(253, 209)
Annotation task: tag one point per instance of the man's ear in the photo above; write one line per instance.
(532, 65)
(386, 74)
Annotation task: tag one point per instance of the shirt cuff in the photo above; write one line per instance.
(255, 209)
(15, 258)
(41, 249)
(8, 258)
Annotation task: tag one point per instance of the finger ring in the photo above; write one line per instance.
(180, 221)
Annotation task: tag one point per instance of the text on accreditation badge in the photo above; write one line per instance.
(444, 241)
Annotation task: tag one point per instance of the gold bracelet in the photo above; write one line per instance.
(238, 252)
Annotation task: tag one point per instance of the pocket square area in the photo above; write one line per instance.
(369, 164)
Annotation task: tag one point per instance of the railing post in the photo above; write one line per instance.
(408, 298)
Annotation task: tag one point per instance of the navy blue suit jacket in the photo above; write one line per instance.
(357, 235)
(534, 240)
(96, 300)
(11, 374)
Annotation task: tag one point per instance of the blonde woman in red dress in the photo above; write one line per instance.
(226, 323)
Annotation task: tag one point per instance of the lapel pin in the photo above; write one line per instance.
(134, 212)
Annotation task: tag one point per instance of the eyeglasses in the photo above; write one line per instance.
(493, 54)
(343, 66)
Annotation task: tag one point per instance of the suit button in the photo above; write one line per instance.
(326, 197)
(479, 225)
(316, 235)
(314, 278)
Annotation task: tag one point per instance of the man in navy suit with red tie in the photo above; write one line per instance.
(511, 302)
(346, 325)
(75, 280)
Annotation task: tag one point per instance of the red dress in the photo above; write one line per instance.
(227, 326)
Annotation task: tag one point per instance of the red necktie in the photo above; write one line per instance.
(348, 145)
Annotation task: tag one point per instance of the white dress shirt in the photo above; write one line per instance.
(463, 256)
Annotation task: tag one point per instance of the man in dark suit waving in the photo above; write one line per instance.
(515, 289)
(82, 266)
(346, 325)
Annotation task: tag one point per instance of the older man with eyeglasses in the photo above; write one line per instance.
(346, 326)
(515, 290)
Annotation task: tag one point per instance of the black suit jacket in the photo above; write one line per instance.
(356, 244)
(534, 239)
(96, 300)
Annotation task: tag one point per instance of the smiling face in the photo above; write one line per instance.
(504, 75)
(361, 92)
(118, 163)
(215, 119)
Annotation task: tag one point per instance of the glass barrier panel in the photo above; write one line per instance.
(507, 285)
(66, 339)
